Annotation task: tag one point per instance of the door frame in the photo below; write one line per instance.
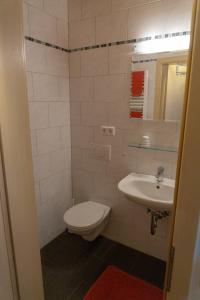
(9, 269)
(17, 152)
(187, 209)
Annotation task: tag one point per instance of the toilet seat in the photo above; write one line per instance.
(84, 216)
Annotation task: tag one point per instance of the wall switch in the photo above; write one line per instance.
(108, 130)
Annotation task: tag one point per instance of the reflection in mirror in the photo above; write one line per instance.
(157, 86)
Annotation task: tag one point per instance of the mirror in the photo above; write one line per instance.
(158, 85)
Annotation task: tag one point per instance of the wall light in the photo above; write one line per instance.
(163, 44)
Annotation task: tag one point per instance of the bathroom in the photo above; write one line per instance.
(103, 109)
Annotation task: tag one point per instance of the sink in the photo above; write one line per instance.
(144, 190)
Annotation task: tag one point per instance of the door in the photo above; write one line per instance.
(16, 152)
(184, 273)
(5, 275)
(8, 290)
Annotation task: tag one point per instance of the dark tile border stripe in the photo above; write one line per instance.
(125, 42)
(46, 44)
(143, 61)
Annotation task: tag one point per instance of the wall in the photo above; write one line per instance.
(48, 89)
(99, 92)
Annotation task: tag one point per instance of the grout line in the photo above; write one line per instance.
(80, 284)
(110, 44)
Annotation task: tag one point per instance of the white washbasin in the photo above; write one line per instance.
(143, 189)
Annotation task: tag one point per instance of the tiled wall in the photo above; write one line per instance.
(99, 92)
(48, 93)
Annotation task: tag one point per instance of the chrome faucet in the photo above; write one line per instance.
(160, 174)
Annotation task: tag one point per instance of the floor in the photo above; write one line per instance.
(71, 265)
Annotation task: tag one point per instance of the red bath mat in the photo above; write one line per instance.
(114, 284)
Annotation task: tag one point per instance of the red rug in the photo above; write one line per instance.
(114, 284)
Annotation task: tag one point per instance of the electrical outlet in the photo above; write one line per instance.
(108, 130)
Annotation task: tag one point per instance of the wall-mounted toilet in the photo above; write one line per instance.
(87, 219)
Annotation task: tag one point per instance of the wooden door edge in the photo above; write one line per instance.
(169, 268)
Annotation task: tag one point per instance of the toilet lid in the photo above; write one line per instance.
(84, 215)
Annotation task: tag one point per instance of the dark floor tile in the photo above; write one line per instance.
(74, 240)
(80, 292)
(121, 257)
(149, 269)
(102, 248)
(57, 284)
(64, 256)
(71, 265)
(97, 248)
(91, 269)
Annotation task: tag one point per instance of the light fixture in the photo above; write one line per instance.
(163, 44)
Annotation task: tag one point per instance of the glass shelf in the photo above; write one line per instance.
(152, 147)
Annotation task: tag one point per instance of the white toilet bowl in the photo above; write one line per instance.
(87, 219)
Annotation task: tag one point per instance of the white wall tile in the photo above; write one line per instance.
(123, 4)
(93, 8)
(48, 85)
(60, 160)
(112, 27)
(75, 111)
(174, 11)
(146, 20)
(35, 57)
(42, 166)
(105, 190)
(82, 136)
(54, 188)
(62, 33)
(29, 80)
(76, 158)
(82, 33)
(75, 64)
(129, 19)
(56, 62)
(82, 89)
(42, 26)
(48, 140)
(51, 222)
(120, 59)
(75, 9)
(63, 88)
(118, 113)
(65, 132)
(110, 88)
(92, 165)
(102, 63)
(56, 8)
(94, 62)
(94, 114)
(59, 113)
(39, 115)
(36, 3)
(45, 86)
(34, 142)
(83, 181)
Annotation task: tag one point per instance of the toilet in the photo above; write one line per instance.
(87, 219)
